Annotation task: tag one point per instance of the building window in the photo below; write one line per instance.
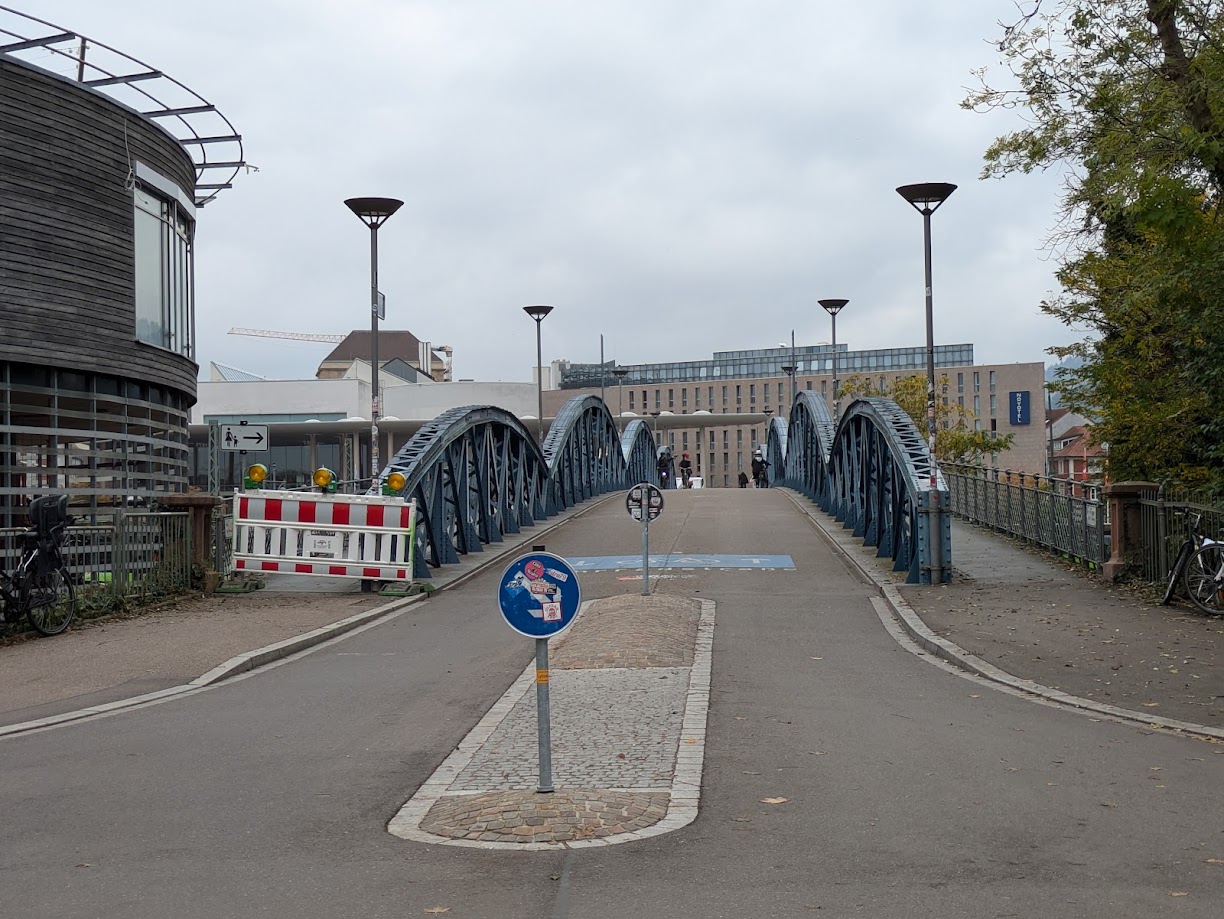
(994, 404)
(977, 405)
(960, 383)
(165, 309)
(696, 397)
(739, 398)
(992, 381)
(658, 399)
(977, 381)
(671, 398)
(630, 398)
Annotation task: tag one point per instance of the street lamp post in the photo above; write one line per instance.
(789, 370)
(374, 212)
(926, 197)
(538, 313)
(620, 373)
(833, 307)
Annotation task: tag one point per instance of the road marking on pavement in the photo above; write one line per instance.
(676, 560)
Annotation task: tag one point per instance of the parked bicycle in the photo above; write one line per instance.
(41, 588)
(1199, 569)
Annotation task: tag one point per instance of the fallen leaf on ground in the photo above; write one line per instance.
(1150, 704)
(817, 658)
(1214, 861)
(751, 773)
(1109, 804)
(690, 740)
(817, 753)
(974, 695)
(742, 819)
(1178, 893)
(435, 910)
(774, 800)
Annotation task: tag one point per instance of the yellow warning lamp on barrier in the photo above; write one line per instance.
(394, 483)
(255, 476)
(325, 479)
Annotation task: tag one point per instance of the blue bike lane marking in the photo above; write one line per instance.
(678, 560)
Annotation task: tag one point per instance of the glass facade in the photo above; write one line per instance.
(768, 362)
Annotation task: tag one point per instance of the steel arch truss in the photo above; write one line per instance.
(879, 486)
(775, 450)
(583, 450)
(639, 451)
(476, 474)
(808, 445)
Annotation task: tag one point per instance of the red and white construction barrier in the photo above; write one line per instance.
(344, 536)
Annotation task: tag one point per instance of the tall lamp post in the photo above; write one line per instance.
(374, 212)
(620, 373)
(833, 307)
(538, 313)
(789, 370)
(926, 197)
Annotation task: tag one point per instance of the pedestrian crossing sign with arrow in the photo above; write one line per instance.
(243, 437)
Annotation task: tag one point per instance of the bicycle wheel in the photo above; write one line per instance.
(52, 601)
(1178, 572)
(1205, 578)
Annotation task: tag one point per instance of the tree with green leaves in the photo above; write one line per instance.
(1128, 97)
(956, 440)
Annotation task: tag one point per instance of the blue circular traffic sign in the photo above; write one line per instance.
(539, 595)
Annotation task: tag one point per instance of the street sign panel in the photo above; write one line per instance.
(539, 595)
(241, 437)
(644, 494)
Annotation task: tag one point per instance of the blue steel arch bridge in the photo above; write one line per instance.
(478, 474)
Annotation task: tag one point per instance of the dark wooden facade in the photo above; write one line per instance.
(84, 407)
(67, 155)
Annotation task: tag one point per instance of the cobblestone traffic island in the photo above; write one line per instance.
(563, 816)
(630, 687)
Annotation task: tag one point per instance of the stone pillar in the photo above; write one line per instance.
(199, 508)
(1126, 533)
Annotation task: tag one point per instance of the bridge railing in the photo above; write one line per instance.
(1165, 517)
(1065, 516)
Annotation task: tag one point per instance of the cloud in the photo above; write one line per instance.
(683, 178)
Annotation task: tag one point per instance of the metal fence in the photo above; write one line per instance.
(1166, 518)
(133, 557)
(1062, 515)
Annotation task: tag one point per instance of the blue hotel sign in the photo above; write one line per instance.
(1019, 411)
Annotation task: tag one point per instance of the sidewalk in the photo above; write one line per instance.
(1049, 622)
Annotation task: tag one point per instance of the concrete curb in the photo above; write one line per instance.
(260, 657)
(952, 653)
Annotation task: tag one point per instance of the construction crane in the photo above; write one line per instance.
(295, 336)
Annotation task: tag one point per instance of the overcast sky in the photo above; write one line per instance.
(684, 177)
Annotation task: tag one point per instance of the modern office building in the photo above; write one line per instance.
(99, 204)
(693, 404)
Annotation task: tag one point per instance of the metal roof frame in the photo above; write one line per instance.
(207, 135)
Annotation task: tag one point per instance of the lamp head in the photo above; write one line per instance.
(833, 307)
(373, 211)
(537, 312)
(788, 369)
(620, 372)
(927, 196)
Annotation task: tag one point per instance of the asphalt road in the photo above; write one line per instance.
(909, 790)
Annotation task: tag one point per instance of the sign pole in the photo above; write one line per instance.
(539, 597)
(543, 719)
(646, 546)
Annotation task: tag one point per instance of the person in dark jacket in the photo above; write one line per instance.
(760, 476)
